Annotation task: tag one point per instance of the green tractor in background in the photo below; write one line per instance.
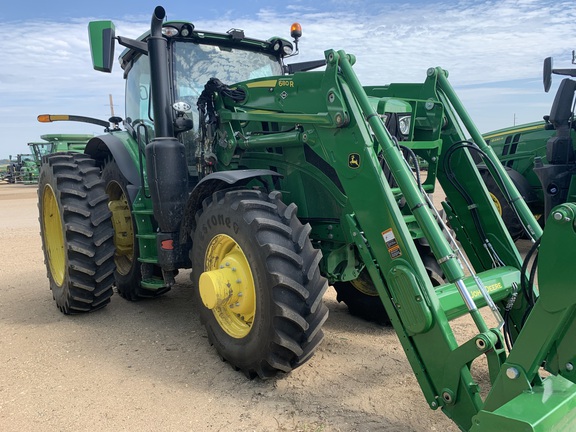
(25, 169)
(272, 180)
(22, 170)
(57, 143)
(54, 143)
(539, 156)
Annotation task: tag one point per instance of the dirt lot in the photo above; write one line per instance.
(147, 366)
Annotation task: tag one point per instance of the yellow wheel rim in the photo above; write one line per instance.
(496, 203)
(227, 286)
(364, 284)
(53, 235)
(123, 229)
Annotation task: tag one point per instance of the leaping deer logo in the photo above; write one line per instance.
(354, 160)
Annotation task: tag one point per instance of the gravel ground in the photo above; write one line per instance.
(147, 366)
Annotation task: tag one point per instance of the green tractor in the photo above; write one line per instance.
(53, 143)
(23, 169)
(272, 180)
(40, 149)
(71, 142)
(539, 156)
(66, 142)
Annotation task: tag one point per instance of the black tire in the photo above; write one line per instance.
(76, 232)
(507, 213)
(433, 269)
(281, 326)
(362, 298)
(128, 273)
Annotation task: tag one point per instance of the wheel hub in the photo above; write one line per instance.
(122, 223)
(227, 286)
(123, 229)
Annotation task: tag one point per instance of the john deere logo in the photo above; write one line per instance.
(354, 160)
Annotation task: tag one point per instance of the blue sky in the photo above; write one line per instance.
(492, 49)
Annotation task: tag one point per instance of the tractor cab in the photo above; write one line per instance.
(40, 149)
(193, 58)
(558, 174)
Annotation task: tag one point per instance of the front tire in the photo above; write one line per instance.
(76, 232)
(257, 277)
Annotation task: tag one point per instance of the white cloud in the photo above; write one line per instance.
(46, 66)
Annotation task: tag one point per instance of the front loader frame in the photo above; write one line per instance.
(382, 234)
(441, 366)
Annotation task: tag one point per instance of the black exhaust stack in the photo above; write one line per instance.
(165, 156)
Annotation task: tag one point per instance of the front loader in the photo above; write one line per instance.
(272, 181)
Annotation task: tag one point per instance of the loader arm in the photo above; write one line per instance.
(445, 367)
(345, 137)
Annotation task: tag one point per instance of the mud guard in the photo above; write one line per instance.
(214, 182)
(105, 146)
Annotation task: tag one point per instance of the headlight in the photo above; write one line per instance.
(404, 125)
(169, 31)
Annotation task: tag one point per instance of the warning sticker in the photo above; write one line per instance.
(389, 238)
(395, 252)
(391, 243)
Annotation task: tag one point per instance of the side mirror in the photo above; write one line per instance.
(102, 35)
(547, 73)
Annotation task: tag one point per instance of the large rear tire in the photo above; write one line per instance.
(508, 215)
(258, 280)
(128, 273)
(362, 299)
(76, 232)
(361, 296)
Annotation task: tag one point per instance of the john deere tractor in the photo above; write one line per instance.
(54, 143)
(272, 180)
(539, 156)
(23, 169)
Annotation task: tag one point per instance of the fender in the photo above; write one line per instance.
(104, 146)
(215, 182)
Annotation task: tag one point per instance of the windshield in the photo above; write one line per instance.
(195, 64)
(27, 158)
(41, 149)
